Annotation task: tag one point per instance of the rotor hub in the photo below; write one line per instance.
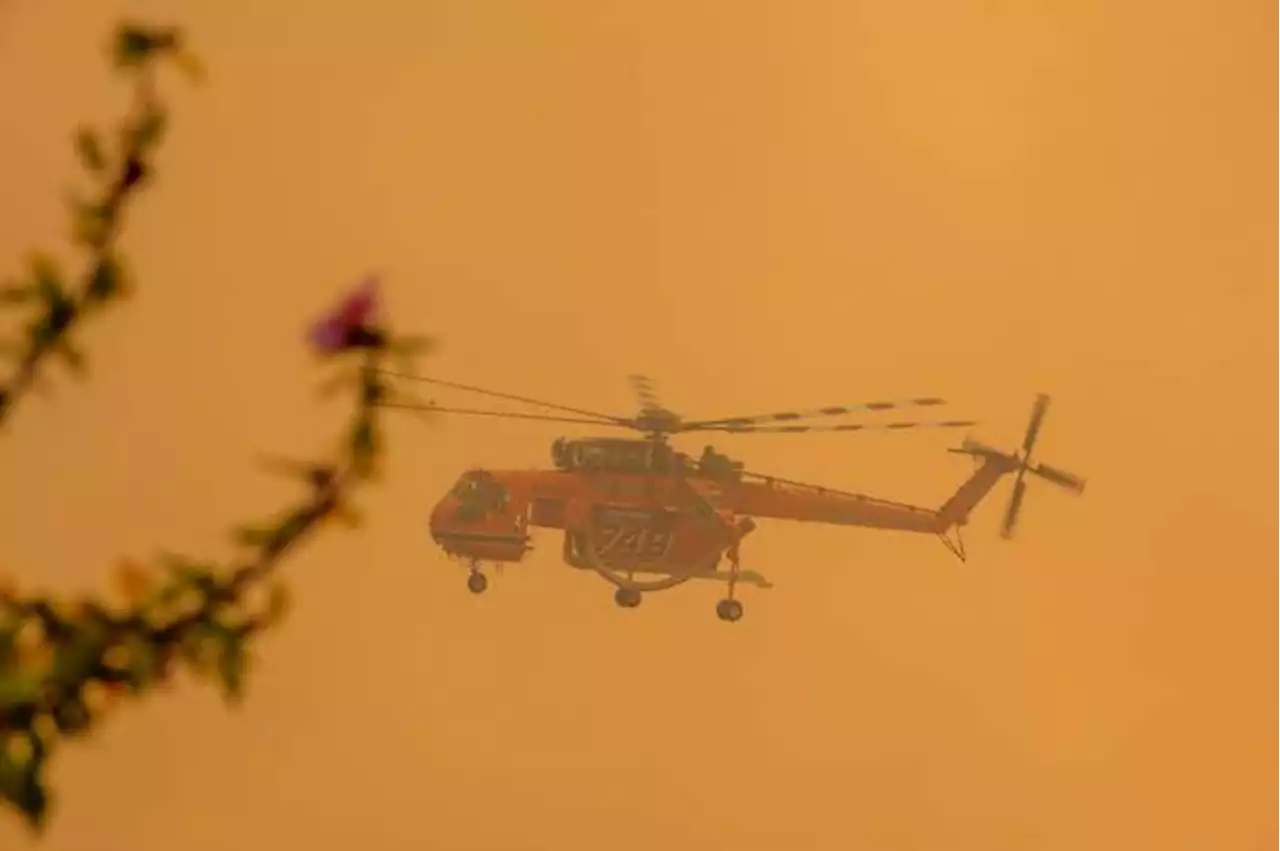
(658, 421)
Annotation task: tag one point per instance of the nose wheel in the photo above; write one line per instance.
(476, 582)
(627, 598)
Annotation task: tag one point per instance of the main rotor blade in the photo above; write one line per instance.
(508, 396)
(1011, 514)
(1033, 427)
(512, 415)
(803, 429)
(1070, 481)
(833, 411)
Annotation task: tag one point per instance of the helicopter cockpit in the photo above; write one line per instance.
(477, 494)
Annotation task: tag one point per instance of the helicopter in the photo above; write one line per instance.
(645, 517)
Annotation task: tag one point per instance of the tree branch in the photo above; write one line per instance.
(59, 308)
(60, 663)
(63, 663)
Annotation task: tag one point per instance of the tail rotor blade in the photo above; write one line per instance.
(1015, 506)
(1033, 427)
(1022, 465)
(1062, 478)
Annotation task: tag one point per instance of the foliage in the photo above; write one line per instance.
(65, 663)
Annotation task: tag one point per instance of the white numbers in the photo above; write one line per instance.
(642, 544)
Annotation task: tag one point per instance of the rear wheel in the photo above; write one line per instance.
(627, 598)
(729, 610)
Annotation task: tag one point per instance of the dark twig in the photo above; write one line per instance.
(97, 224)
(61, 663)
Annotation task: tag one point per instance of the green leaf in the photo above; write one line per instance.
(8, 647)
(73, 356)
(89, 149)
(18, 687)
(72, 716)
(89, 221)
(190, 65)
(364, 446)
(251, 536)
(21, 777)
(42, 264)
(189, 573)
(291, 529)
(277, 605)
(184, 566)
(348, 516)
(199, 644)
(167, 594)
(74, 660)
(48, 283)
(150, 128)
(372, 392)
(60, 312)
(143, 666)
(17, 293)
(133, 44)
(232, 662)
(106, 280)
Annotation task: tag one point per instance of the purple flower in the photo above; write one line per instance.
(349, 325)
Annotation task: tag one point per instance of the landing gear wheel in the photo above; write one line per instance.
(627, 598)
(476, 582)
(729, 610)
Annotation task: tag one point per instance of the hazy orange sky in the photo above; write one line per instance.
(760, 205)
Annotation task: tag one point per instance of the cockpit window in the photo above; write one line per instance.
(479, 493)
(467, 486)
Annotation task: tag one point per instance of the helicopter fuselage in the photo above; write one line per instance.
(637, 506)
(641, 507)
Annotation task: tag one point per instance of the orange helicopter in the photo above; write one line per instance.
(647, 518)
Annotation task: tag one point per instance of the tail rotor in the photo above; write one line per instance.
(1061, 478)
(1020, 463)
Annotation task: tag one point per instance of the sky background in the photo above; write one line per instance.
(759, 205)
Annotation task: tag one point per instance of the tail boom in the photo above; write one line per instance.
(955, 511)
(786, 500)
(807, 503)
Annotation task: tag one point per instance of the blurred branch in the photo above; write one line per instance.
(57, 307)
(64, 663)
